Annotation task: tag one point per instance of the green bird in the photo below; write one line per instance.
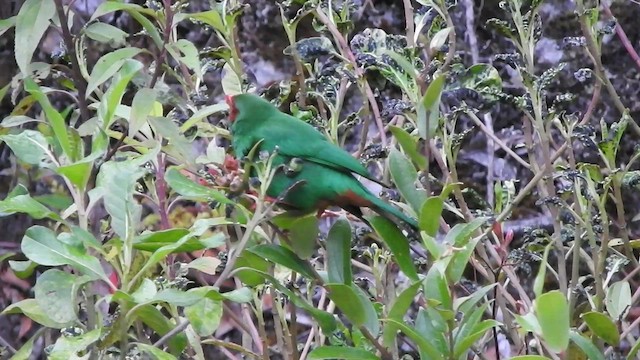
(322, 172)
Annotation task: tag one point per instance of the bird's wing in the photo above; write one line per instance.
(296, 138)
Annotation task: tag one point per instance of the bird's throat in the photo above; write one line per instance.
(233, 111)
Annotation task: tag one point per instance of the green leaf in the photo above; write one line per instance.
(404, 175)
(285, 257)
(55, 292)
(183, 50)
(338, 247)
(326, 320)
(397, 243)
(398, 309)
(426, 348)
(592, 352)
(67, 347)
(433, 327)
(436, 287)
(192, 190)
(137, 12)
(153, 318)
(530, 357)
(141, 107)
(203, 113)
(552, 311)
(32, 310)
(178, 145)
(409, 145)
(344, 296)
(23, 269)
(155, 240)
(205, 264)
(204, 316)
(430, 215)
(6, 24)
(231, 85)
(55, 119)
(29, 146)
(211, 18)
(538, 283)
(440, 38)
(106, 33)
(303, 234)
(28, 205)
(117, 180)
(31, 23)
(112, 98)
(459, 238)
(341, 352)
(41, 245)
(155, 352)
(24, 353)
(602, 326)
(79, 172)
(429, 109)
(618, 299)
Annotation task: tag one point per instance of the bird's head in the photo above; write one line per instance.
(248, 107)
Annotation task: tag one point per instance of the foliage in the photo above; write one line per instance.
(121, 273)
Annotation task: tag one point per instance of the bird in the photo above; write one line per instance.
(314, 173)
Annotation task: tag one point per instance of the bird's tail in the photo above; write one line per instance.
(387, 210)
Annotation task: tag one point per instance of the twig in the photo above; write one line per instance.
(78, 79)
(176, 330)
(7, 346)
(344, 47)
(409, 23)
(168, 14)
(622, 35)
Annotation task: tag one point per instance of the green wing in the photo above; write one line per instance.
(296, 138)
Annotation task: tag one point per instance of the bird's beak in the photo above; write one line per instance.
(233, 111)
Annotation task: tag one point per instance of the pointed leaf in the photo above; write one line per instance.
(31, 23)
(285, 257)
(603, 326)
(404, 175)
(341, 352)
(338, 247)
(552, 311)
(397, 243)
(429, 109)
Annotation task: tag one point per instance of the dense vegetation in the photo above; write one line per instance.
(139, 235)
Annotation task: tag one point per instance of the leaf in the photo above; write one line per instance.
(117, 179)
(398, 310)
(397, 243)
(309, 49)
(156, 240)
(430, 213)
(429, 109)
(404, 175)
(427, 349)
(303, 234)
(155, 352)
(79, 172)
(55, 119)
(345, 298)
(409, 145)
(24, 353)
(40, 245)
(602, 326)
(592, 352)
(231, 85)
(6, 24)
(203, 113)
(32, 22)
(211, 18)
(204, 316)
(192, 190)
(32, 310)
(67, 347)
(114, 94)
(153, 318)
(141, 107)
(205, 264)
(440, 38)
(618, 299)
(459, 238)
(106, 33)
(183, 50)
(29, 146)
(436, 287)
(28, 205)
(55, 292)
(338, 245)
(326, 320)
(552, 311)
(285, 257)
(341, 352)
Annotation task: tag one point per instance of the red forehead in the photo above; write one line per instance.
(233, 111)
